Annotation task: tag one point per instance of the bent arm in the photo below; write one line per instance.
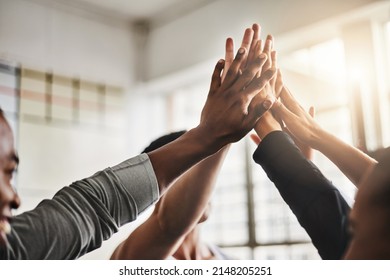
(176, 215)
(351, 161)
(317, 204)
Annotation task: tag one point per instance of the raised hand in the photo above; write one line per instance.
(231, 109)
(230, 112)
(300, 124)
(249, 40)
(306, 150)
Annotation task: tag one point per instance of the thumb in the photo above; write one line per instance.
(216, 77)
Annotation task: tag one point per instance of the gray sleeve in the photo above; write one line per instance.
(81, 216)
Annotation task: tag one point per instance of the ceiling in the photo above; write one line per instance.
(134, 10)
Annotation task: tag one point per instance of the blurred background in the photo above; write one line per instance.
(87, 84)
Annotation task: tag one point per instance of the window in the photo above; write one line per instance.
(62, 122)
(9, 92)
(385, 97)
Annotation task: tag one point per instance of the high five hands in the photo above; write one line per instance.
(236, 101)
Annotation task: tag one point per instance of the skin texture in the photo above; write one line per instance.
(8, 163)
(172, 227)
(230, 112)
(302, 126)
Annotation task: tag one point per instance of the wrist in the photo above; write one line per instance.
(265, 130)
(266, 125)
(320, 138)
(208, 143)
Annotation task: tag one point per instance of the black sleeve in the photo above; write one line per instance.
(317, 204)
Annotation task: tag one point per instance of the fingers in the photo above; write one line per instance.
(311, 111)
(274, 59)
(233, 72)
(268, 44)
(289, 101)
(256, 32)
(261, 99)
(251, 70)
(278, 84)
(246, 43)
(229, 56)
(283, 112)
(216, 77)
(247, 38)
(256, 36)
(259, 83)
(267, 50)
(273, 65)
(255, 139)
(258, 107)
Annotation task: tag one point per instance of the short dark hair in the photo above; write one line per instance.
(163, 140)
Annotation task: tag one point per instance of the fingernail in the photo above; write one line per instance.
(220, 61)
(267, 104)
(241, 50)
(263, 55)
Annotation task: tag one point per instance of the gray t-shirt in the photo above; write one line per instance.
(80, 217)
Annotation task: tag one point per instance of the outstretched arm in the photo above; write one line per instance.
(178, 212)
(351, 161)
(317, 204)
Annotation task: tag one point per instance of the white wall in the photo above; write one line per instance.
(70, 42)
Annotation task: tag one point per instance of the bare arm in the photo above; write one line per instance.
(176, 215)
(351, 161)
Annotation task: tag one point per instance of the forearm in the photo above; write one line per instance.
(172, 160)
(351, 161)
(186, 201)
(177, 213)
(293, 175)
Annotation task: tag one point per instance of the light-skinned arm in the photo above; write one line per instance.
(350, 160)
